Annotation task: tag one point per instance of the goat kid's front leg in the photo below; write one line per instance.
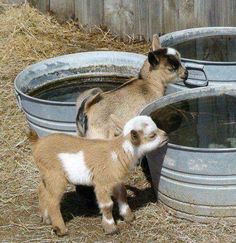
(120, 194)
(106, 205)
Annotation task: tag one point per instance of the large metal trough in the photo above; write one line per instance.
(49, 116)
(196, 183)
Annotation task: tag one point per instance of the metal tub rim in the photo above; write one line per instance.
(194, 93)
(178, 37)
(23, 73)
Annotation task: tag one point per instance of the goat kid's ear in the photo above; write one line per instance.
(156, 44)
(135, 138)
(152, 59)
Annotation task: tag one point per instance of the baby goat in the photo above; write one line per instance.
(162, 67)
(103, 164)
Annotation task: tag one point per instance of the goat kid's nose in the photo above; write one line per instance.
(186, 73)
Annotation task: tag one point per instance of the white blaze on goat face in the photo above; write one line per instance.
(75, 168)
(171, 51)
(140, 123)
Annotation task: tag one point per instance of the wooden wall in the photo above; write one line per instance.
(12, 1)
(143, 18)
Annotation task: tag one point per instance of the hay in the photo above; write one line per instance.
(26, 37)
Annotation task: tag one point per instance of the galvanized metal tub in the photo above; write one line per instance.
(198, 184)
(199, 57)
(46, 116)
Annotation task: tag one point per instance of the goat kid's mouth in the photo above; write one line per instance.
(164, 142)
(185, 76)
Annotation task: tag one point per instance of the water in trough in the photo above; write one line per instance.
(220, 48)
(206, 122)
(69, 90)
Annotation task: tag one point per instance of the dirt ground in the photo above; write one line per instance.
(26, 37)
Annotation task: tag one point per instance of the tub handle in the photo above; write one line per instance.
(194, 79)
(18, 99)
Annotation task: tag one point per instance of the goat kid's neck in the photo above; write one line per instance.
(156, 80)
(124, 156)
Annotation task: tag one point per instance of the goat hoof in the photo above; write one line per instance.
(112, 232)
(60, 232)
(129, 217)
(110, 229)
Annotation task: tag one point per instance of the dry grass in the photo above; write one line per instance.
(27, 37)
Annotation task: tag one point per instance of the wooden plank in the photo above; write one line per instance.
(64, 10)
(171, 15)
(186, 14)
(141, 19)
(42, 5)
(214, 13)
(90, 12)
(203, 13)
(227, 11)
(13, 1)
(231, 13)
(119, 17)
(155, 18)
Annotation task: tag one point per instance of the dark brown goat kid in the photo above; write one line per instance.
(162, 67)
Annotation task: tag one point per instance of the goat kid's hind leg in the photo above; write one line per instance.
(56, 185)
(106, 205)
(43, 203)
(120, 194)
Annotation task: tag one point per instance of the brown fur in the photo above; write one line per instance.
(107, 176)
(86, 94)
(128, 100)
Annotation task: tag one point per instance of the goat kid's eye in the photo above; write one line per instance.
(153, 135)
(172, 70)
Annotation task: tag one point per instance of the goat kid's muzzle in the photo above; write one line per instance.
(185, 76)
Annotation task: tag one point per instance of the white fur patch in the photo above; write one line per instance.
(171, 51)
(114, 156)
(109, 221)
(148, 147)
(123, 208)
(140, 123)
(75, 168)
(106, 205)
(128, 147)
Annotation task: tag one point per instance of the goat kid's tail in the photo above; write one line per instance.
(81, 118)
(32, 135)
(85, 95)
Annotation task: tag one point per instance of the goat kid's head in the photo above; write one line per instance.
(166, 60)
(143, 134)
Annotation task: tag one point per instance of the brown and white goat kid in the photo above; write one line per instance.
(102, 163)
(163, 66)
